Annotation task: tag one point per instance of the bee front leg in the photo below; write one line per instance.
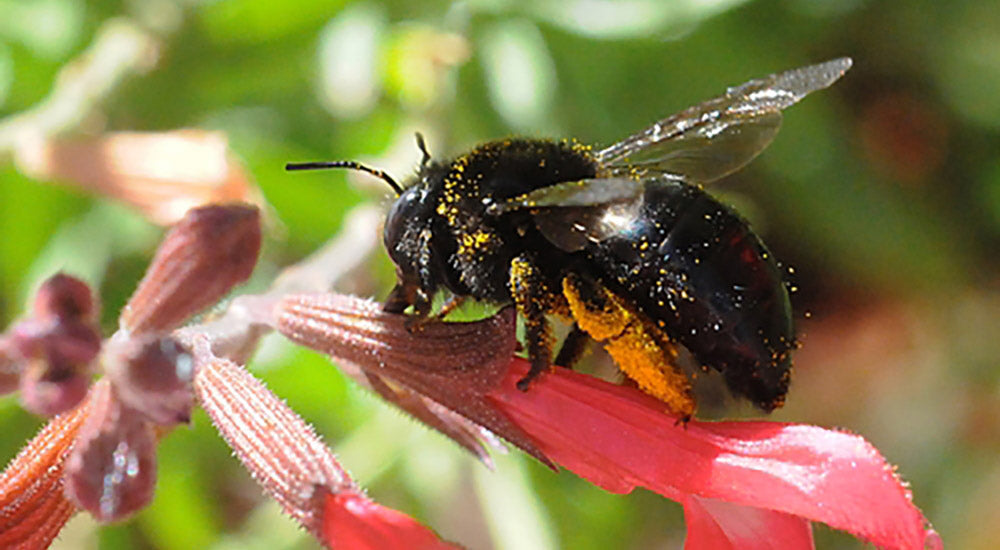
(400, 298)
(530, 295)
(423, 308)
(416, 284)
(453, 303)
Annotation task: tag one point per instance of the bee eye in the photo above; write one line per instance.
(404, 213)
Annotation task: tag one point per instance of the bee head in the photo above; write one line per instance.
(407, 230)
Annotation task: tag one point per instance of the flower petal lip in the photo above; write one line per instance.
(152, 374)
(351, 520)
(53, 356)
(618, 439)
(48, 391)
(717, 525)
(61, 344)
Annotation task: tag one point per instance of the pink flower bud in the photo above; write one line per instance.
(48, 391)
(10, 367)
(63, 343)
(202, 258)
(66, 297)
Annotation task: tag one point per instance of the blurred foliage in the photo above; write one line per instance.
(883, 192)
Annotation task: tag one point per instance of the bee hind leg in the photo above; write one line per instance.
(531, 295)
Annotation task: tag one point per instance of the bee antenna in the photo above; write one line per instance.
(350, 165)
(423, 149)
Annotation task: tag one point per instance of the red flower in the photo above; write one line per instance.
(749, 484)
(744, 484)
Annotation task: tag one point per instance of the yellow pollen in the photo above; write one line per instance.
(636, 351)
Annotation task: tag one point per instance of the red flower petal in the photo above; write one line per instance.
(618, 438)
(352, 521)
(717, 525)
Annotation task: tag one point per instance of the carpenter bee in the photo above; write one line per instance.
(621, 242)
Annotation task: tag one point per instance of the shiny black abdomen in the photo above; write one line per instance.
(693, 267)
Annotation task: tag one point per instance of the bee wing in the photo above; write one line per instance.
(586, 192)
(574, 213)
(713, 139)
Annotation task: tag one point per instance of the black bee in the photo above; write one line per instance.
(622, 242)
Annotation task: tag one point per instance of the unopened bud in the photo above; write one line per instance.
(10, 367)
(48, 391)
(65, 297)
(201, 259)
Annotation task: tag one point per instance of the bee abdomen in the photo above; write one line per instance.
(697, 271)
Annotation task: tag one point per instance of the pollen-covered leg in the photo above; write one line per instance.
(573, 347)
(530, 297)
(641, 354)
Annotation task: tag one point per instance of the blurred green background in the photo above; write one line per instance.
(883, 192)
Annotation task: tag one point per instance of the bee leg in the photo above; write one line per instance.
(415, 291)
(404, 295)
(538, 337)
(573, 347)
(641, 351)
(400, 298)
(416, 322)
(530, 294)
(426, 285)
(421, 312)
(453, 303)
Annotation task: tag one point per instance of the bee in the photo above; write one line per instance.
(623, 243)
